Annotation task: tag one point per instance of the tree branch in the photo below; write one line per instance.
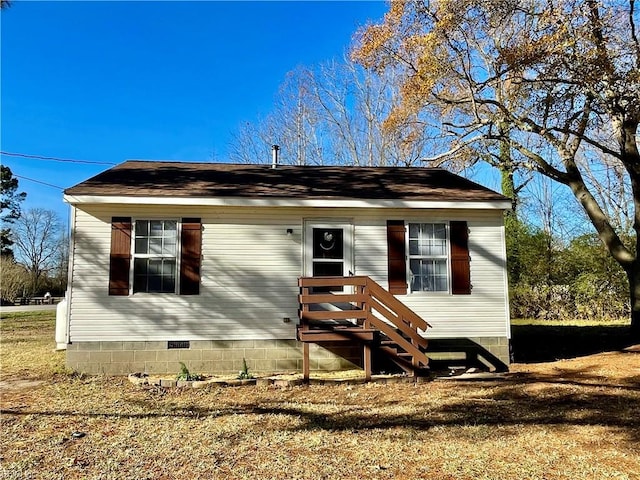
(450, 152)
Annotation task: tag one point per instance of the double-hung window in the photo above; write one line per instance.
(428, 257)
(155, 255)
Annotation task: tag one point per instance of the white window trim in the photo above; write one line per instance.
(409, 257)
(178, 255)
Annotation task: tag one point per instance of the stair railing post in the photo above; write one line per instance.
(304, 307)
(414, 360)
(367, 360)
(305, 362)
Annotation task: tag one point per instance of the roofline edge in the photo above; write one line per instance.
(288, 202)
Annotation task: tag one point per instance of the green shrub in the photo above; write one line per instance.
(244, 373)
(186, 375)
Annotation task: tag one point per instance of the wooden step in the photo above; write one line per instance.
(396, 356)
(339, 334)
(325, 315)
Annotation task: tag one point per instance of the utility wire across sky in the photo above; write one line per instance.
(38, 181)
(53, 159)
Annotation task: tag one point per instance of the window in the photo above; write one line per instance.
(155, 256)
(438, 257)
(428, 257)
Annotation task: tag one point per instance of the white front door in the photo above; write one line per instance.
(328, 249)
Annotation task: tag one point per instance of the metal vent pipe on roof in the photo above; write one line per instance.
(274, 155)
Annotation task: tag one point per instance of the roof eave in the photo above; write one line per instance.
(480, 204)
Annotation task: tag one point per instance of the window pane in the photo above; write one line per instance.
(328, 269)
(438, 275)
(169, 285)
(414, 247)
(155, 284)
(441, 284)
(154, 267)
(155, 245)
(425, 247)
(142, 228)
(169, 247)
(140, 266)
(142, 245)
(140, 275)
(170, 226)
(327, 243)
(168, 267)
(156, 228)
(139, 283)
(438, 247)
(416, 279)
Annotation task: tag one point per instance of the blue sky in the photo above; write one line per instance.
(111, 81)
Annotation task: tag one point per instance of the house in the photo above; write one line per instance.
(212, 264)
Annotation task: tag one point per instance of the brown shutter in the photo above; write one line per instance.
(396, 257)
(191, 241)
(120, 257)
(460, 261)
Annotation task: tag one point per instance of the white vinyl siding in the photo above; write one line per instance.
(249, 273)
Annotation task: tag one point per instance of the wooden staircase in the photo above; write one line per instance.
(358, 310)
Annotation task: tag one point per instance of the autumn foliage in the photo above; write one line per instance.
(551, 87)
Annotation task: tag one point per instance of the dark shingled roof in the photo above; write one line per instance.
(182, 179)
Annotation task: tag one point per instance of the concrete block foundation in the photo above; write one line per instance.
(206, 357)
(262, 356)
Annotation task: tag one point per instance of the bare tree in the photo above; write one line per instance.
(293, 124)
(36, 236)
(335, 114)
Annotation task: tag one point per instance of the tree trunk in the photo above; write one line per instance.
(626, 129)
(511, 224)
(634, 296)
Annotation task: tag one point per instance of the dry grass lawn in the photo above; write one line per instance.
(571, 419)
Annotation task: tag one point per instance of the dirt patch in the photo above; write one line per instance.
(17, 385)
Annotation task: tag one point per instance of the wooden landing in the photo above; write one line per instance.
(336, 334)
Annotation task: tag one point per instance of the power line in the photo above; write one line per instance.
(38, 181)
(54, 159)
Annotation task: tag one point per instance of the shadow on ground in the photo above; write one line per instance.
(541, 343)
(570, 399)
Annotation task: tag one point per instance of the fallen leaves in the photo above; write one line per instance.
(562, 420)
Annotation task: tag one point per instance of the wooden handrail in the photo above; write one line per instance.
(388, 300)
(413, 334)
(370, 305)
(332, 281)
(331, 297)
